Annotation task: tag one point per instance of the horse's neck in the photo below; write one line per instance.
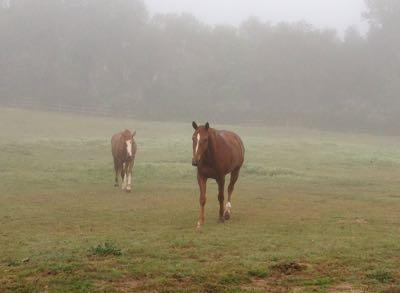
(213, 142)
(122, 149)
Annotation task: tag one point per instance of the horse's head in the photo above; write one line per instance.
(128, 138)
(200, 142)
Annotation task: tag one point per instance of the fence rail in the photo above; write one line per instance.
(82, 109)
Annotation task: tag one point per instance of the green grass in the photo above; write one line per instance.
(329, 202)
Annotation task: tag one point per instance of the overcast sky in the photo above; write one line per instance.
(337, 14)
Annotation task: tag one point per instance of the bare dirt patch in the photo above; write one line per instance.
(123, 285)
(289, 268)
(358, 221)
(346, 288)
(265, 286)
(361, 221)
(392, 290)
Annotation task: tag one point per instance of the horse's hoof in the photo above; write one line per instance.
(227, 215)
(221, 220)
(115, 185)
(128, 191)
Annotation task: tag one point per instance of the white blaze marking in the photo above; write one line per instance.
(198, 140)
(129, 147)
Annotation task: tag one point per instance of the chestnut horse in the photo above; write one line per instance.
(123, 148)
(215, 154)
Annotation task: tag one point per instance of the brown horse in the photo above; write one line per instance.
(123, 148)
(215, 154)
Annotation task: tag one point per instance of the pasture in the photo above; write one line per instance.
(312, 211)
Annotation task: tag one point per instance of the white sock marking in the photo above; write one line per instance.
(228, 205)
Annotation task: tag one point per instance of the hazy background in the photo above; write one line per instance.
(320, 64)
(338, 14)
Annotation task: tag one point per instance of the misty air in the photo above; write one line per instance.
(199, 146)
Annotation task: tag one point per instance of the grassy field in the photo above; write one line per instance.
(312, 212)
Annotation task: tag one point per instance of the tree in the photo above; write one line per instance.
(112, 56)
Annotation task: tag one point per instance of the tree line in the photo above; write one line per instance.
(114, 55)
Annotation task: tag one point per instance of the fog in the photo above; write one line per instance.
(338, 14)
(317, 64)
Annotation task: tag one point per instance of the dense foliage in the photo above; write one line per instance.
(112, 56)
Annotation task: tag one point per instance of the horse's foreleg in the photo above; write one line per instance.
(221, 188)
(129, 182)
(202, 185)
(228, 206)
(123, 176)
(129, 177)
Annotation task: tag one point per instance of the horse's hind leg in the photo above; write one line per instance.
(228, 206)
(116, 169)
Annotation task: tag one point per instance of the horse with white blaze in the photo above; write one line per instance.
(123, 148)
(216, 153)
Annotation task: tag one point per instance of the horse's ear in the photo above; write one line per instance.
(194, 125)
(207, 126)
(133, 133)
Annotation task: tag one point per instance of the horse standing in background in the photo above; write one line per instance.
(123, 148)
(215, 154)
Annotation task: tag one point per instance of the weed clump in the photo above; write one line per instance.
(105, 250)
(381, 276)
(258, 273)
(231, 279)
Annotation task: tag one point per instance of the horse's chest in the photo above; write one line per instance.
(207, 171)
